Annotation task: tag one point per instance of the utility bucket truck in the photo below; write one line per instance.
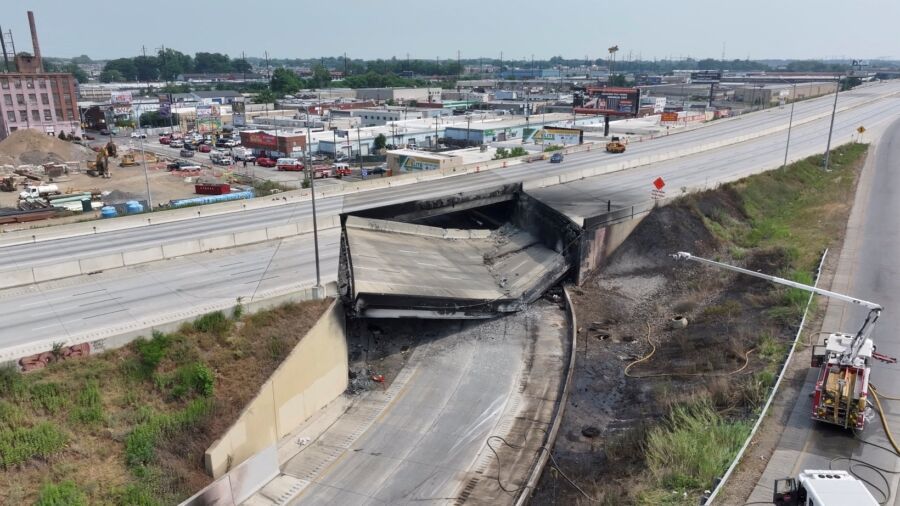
(842, 386)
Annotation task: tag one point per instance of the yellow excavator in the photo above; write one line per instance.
(128, 160)
(100, 165)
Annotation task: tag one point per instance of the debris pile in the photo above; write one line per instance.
(30, 147)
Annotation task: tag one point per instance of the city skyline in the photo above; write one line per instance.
(652, 31)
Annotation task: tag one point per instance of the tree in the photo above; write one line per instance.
(125, 66)
(285, 82)
(146, 68)
(321, 76)
(264, 97)
(241, 66)
(380, 142)
(80, 75)
(172, 63)
(82, 59)
(111, 76)
(618, 80)
(211, 63)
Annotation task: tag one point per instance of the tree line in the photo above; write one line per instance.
(168, 64)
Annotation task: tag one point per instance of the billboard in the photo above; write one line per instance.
(120, 98)
(706, 77)
(259, 140)
(669, 117)
(611, 101)
(556, 135)
(238, 112)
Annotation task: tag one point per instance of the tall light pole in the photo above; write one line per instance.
(312, 190)
(837, 88)
(790, 123)
(146, 175)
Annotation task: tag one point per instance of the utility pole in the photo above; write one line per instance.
(837, 88)
(312, 190)
(358, 148)
(790, 123)
(146, 175)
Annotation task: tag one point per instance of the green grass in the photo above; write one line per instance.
(195, 377)
(66, 493)
(152, 352)
(48, 397)
(89, 406)
(693, 446)
(22, 444)
(141, 444)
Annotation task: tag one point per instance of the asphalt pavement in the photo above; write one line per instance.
(867, 269)
(43, 252)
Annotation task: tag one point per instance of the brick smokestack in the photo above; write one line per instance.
(34, 42)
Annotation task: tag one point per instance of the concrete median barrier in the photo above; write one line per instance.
(281, 231)
(19, 277)
(143, 256)
(217, 242)
(249, 237)
(180, 249)
(56, 271)
(101, 263)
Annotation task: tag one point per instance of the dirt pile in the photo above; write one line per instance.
(677, 227)
(31, 147)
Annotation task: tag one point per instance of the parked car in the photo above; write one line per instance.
(220, 143)
(289, 164)
(88, 137)
(266, 162)
(187, 153)
(378, 171)
(188, 145)
(204, 148)
(556, 158)
(165, 140)
(105, 131)
(182, 165)
(138, 135)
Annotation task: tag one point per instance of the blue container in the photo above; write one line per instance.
(108, 212)
(133, 207)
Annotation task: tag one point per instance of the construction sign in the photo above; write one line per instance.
(657, 192)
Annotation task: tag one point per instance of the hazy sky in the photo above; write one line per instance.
(426, 29)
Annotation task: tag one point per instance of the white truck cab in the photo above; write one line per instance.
(822, 488)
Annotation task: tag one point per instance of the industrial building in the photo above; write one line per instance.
(518, 128)
(400, 95)
(32, 98)
(769, 94)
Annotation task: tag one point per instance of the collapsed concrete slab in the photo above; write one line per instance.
(391, 269)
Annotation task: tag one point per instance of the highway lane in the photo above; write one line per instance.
(83, 305)
(45, 252)
(625, 186)
(622, 189)
(867, 269)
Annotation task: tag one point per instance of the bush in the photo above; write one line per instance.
(137, 495)
(23, 444)
(12, 383)
(215, 323)
(66, 493)
(195, 377)
(153, 351)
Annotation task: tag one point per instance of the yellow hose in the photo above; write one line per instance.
(884, 422)
(665, 374)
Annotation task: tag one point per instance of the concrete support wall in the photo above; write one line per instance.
(549, 226)
(598, 243)
(312, 375)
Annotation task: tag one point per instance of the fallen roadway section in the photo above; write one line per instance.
(392, 269)
(438, 434)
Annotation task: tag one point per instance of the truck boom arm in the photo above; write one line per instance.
(681, 255)
(861, 335)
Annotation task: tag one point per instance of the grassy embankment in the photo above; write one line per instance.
(130, 426)
(794, 213)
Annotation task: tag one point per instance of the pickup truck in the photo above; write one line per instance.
(182, 165)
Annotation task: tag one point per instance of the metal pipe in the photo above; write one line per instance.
(312, 191)
(790, 123)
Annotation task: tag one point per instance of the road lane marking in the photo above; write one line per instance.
(104, 314)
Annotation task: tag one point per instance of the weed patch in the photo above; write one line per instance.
(215, 323)
(66, 493)
(25, 443)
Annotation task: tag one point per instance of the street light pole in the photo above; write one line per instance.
(312, 190)
(790, 123)
(146, 176)
(837, 88)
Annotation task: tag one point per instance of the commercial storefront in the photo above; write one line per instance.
(265, 144)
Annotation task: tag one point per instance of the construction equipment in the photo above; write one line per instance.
(822, 488)
(615, 146)
(100, 166)
(8, 184)
(842, 386)
(128, 160)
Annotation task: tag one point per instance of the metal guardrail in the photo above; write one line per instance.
(762, 414)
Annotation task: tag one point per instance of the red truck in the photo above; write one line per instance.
(289, 164)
